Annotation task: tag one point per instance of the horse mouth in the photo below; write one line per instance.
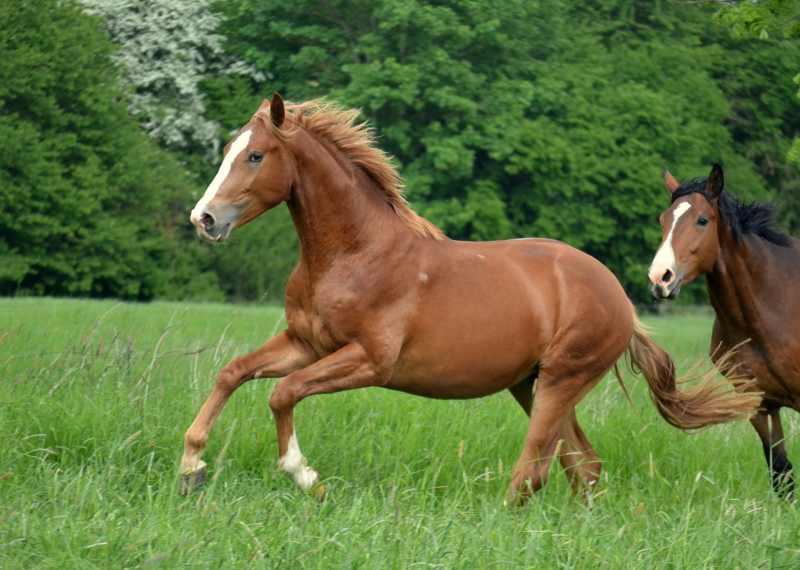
(660, 291)
(223, 234)
(213, 235)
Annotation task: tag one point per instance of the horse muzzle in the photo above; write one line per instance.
(670, 291)
(215, 223)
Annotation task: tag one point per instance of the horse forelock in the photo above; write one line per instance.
(757, 218)
(356, 141)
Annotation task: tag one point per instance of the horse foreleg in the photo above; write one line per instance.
(279, 356)
(346, 369)
(775, 449)
(578, 458)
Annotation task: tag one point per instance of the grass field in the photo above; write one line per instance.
(95, 398)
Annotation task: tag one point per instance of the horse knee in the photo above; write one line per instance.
(230, 377)
(537, 480)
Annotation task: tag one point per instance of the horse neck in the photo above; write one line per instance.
(335, 208)
(734, 283)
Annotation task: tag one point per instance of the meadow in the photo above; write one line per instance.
(95, 397)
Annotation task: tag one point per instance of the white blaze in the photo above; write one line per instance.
(225, 168)
(296, 466)
(665, 256)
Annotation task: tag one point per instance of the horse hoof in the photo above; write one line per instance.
(517, 497)
(318, 489)
(192, 481)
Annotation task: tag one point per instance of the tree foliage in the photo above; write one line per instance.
(762, 19)
(766, 19)
(167, 48)
(506, 119)
(88, 203)
(514, 119)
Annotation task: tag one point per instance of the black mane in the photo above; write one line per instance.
(741, 218)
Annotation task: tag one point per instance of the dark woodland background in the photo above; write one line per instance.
(506, 119)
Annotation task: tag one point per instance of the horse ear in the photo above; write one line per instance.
(670, 182)
(264, 104)
(277, 110)
(716, 182)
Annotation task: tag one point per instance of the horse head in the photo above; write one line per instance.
(255, 175)
(690, 242)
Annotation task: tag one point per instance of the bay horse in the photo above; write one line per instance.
(751, 272)
(380, 297)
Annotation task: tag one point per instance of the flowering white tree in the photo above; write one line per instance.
(168, 47)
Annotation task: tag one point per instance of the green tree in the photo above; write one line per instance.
(89, 205)
(433, 77)
(428, 77)
(652, 84)
(774, 22)
(514, 119)
(167, 48)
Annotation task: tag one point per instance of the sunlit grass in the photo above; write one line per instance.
(92, 416)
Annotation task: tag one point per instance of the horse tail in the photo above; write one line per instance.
(708, 402)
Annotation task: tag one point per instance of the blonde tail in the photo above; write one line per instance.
(707, 403)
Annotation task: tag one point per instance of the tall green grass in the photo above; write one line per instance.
(95, 398)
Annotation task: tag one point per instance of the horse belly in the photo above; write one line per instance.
(472, 348)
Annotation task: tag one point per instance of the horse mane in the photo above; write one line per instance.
(742, 218)
(356, 142)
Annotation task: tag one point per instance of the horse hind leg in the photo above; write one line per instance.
(767, 424)
(554, 405)
(579, 460)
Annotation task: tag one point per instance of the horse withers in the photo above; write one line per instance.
(751, 271)
(380, 297)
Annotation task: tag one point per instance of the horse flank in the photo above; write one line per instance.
(355, 141)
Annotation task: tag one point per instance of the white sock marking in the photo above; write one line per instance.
(665, 256)
(225, 168)
(296, 466)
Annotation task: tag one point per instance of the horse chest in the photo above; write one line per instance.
(755, 359)
(320, 313)
(312, 329)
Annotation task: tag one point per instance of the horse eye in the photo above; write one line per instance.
(256, 157)
(702, 222)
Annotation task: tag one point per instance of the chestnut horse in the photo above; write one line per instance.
(381, 297)
(751, 273)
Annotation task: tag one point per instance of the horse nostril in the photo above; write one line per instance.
(207, 220)
(667, 276)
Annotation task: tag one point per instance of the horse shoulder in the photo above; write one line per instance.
(349, 302)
